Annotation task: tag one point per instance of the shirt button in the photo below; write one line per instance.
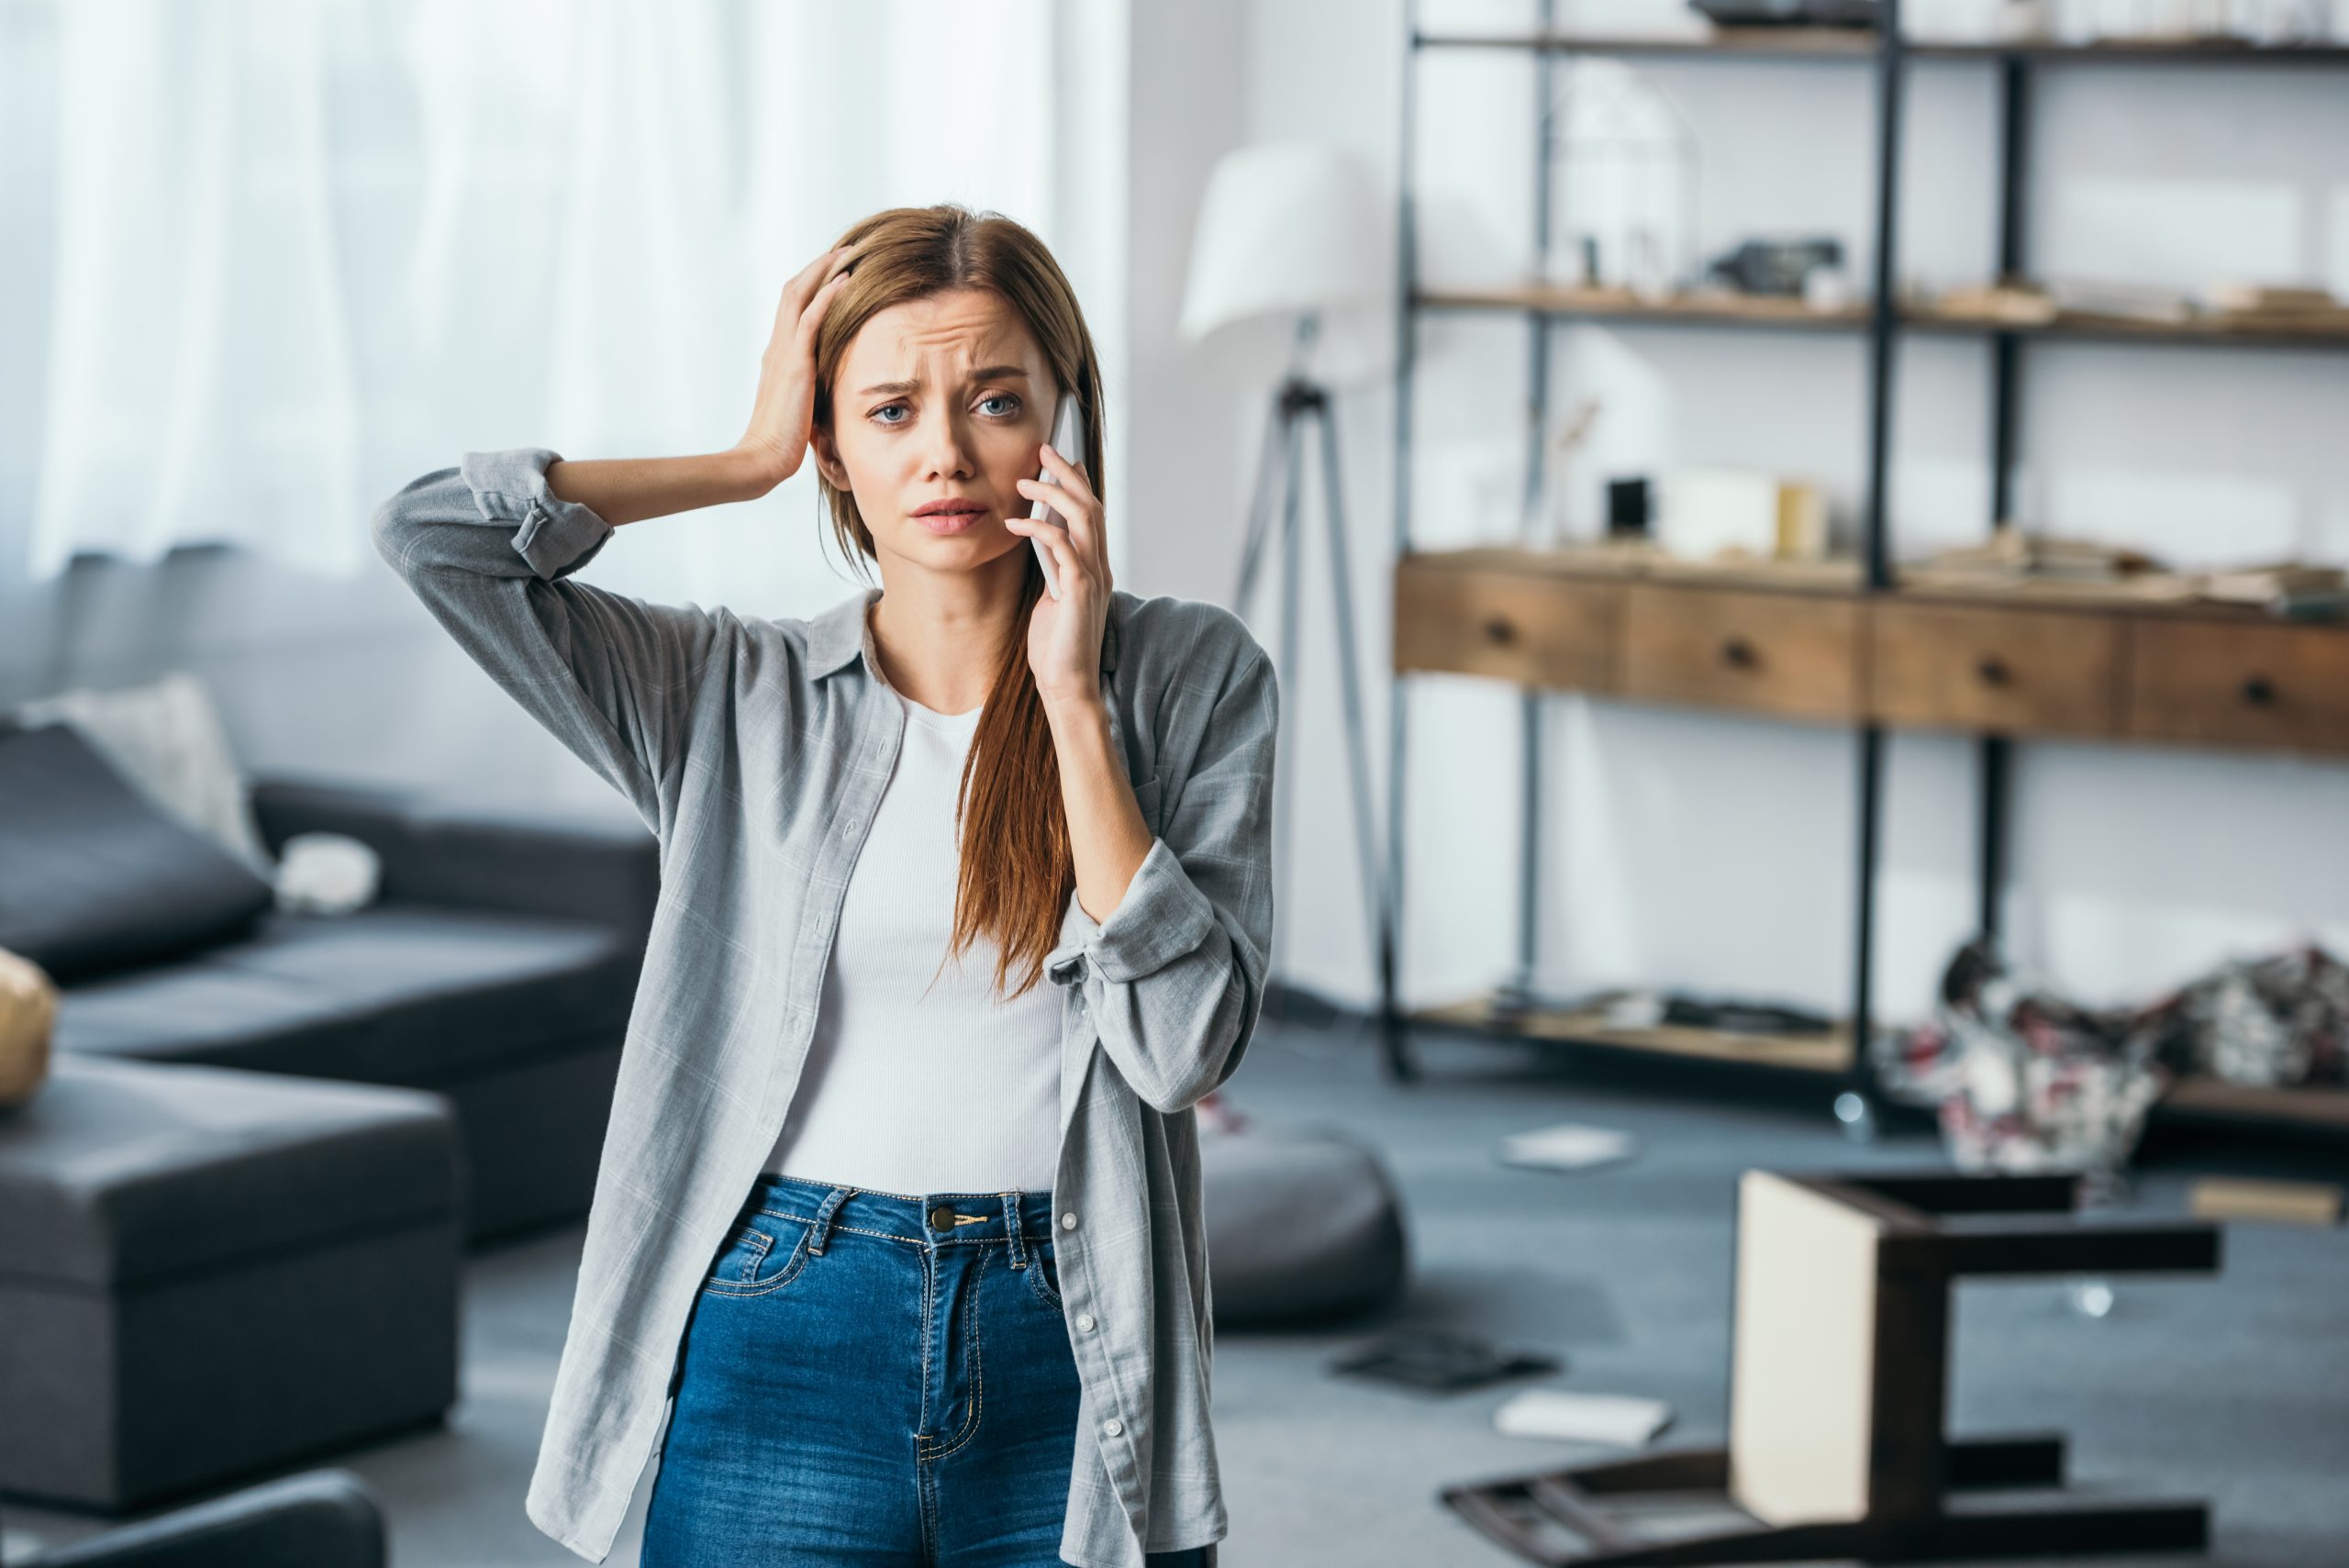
(1068, 1221)
(1084, 1321)
(1113, 1426)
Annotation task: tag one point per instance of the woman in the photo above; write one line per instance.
(898, 1259)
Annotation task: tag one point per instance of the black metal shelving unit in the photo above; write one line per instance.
(1882, 318)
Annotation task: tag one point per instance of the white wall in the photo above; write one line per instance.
(1715, 851)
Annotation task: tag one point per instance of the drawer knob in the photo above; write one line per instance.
(1738, 653)
(2258, 691)
(1500, 628)
(1993, 670)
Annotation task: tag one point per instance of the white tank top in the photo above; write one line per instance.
(914, 1086)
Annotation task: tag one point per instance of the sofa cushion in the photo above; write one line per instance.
(121, 1171)
(411, 994)
(99, 878)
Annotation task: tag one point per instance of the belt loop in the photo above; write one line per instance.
(822, 1224)
(1011, 1224)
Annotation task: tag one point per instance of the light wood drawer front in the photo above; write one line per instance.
(1539, 632)
(2009, 672)
(2253, 685)
(1786, 653)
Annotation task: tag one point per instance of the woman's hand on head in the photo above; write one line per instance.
(784, 410)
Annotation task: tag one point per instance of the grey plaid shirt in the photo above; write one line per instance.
(757, 751)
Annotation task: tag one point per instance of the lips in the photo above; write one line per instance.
(961, 518)
(950, 509)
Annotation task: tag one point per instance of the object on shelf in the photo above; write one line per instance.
(1630, 508)
(2020, 305)
(2268, 302)
(1623, 168)
(1745, 514)
(2021, 21)
(2024, 1080)
(1442, 1360)
(1568, 1146)
(1558, 474)
(1787, 13)
(2290, 588)
(1649, 1010)
(2012, 554)
(1827, 289)
(1775, 266)
(2286, 1203)
(2280, 1021)
(2134, 302)
(1618, 1420)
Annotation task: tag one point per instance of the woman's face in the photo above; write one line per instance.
(940, 399)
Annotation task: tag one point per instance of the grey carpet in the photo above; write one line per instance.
(2233, 1388)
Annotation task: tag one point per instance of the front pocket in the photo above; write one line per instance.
(1044, 1273)
(761, 1254)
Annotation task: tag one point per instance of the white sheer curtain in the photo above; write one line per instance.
(305, 249)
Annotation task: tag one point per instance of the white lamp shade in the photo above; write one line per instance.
(1285, 227)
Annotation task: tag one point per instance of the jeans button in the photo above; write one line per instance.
(942, 1218)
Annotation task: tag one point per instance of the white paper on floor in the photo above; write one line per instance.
(1622, 1419)
(1568, 1146)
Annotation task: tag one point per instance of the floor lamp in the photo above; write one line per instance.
(1287, 236)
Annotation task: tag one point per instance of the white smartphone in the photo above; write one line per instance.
(1068, 440)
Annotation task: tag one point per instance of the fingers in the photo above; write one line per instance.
(804, 285)
(811, 318)
(1073, 498)
(1071, 554)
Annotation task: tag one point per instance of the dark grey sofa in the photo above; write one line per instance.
(497, 966)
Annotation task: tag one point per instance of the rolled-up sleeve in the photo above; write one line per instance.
(1174, 978)
(486, 546)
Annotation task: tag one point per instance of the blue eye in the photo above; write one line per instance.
(884, 408)
(1012, 397)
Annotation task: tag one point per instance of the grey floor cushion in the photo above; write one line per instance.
(206, 1273)
(1303, 1225)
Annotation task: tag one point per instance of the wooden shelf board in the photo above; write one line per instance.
(1721, 309)
(1837, 574)
(1781, 43)
(2322, 331)
(1860, 44)
(2146, 51)
(2150, 594)
(1826, 1055)
(2216, 1099)
(1718, 309)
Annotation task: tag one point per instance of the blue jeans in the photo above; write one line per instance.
(876, 1380)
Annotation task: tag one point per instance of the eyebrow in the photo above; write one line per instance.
(992, 373)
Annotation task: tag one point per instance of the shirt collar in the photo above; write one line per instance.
(838, 635)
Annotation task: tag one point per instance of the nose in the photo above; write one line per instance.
(949, 450)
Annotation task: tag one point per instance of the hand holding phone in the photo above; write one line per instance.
(1068, 440)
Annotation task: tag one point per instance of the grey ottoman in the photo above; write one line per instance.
(206, 1272)
(1303, 1226)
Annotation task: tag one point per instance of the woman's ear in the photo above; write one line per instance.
(827, 460)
